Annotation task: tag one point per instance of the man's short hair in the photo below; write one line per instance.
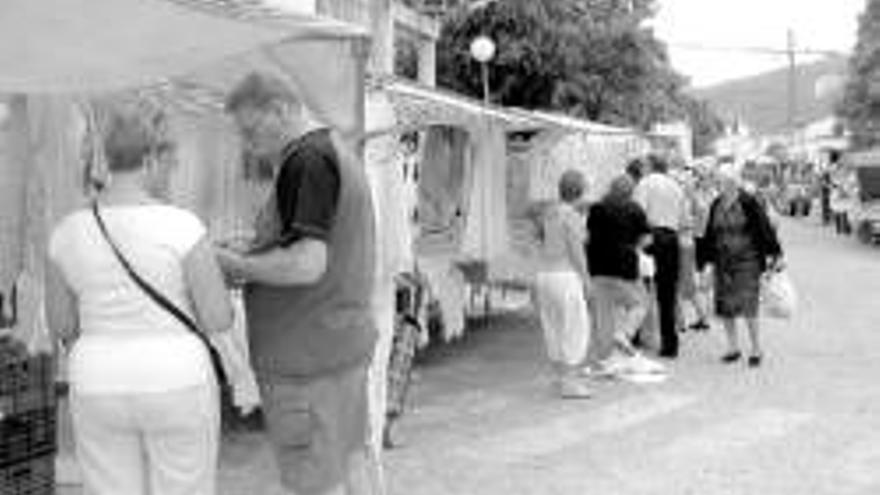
(261, 91)
(658, 163)
(132, 131)
(572, 185)
(636, 169)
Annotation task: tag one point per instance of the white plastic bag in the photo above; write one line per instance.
(233, 349)
(778, 295)
(647, 265)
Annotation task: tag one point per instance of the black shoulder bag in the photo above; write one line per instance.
(162, 301)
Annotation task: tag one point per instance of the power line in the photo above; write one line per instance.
(761, 50)
(791, 51)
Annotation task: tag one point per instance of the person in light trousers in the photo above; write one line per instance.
(144, 398)
(562, 284)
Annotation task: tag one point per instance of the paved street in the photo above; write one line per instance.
(806, 423)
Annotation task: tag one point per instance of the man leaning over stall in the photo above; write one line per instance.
(308, 275)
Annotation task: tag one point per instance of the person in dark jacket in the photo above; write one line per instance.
(617, 230)
(741, 244)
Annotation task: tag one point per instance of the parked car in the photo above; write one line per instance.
(866, 211)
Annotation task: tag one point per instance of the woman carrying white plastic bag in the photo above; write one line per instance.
(778, 295)
(741, 246)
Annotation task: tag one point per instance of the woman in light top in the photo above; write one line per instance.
(562, 284)
(143, 398)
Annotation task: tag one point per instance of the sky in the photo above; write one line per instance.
(817, 24)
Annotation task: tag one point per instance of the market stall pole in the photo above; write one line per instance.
(476, 271)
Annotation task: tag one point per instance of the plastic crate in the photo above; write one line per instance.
(27, 436)
(32, 477)
(26, 384)
(25, 373)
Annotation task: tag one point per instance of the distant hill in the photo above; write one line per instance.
(761, 101)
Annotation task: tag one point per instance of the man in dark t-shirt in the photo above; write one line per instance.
(308, 277)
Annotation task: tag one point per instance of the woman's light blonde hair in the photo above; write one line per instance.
(131, 130)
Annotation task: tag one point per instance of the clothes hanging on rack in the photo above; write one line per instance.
(443, 190)
(486, 234)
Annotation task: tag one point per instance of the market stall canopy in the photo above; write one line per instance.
(57, 56)
(547, 120)
(92, 45)
(419, 106)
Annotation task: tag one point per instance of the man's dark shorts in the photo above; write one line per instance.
(316, 426)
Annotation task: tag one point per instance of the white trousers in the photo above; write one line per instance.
(564, 316)
(148, 444)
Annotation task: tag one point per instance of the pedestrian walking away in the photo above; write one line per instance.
(308, 277)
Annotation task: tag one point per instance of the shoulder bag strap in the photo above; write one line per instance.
(158, 298)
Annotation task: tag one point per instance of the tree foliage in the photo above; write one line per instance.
(861, 101)
(589, 58)
(529, 59)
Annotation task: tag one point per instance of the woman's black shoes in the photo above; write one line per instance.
(753, 360)
(731, 357)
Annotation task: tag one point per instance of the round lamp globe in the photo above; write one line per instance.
(482, 49)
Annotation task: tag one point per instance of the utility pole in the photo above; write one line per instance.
(791, 53)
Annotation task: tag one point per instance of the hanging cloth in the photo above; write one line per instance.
(13, 180)
(442, 188)
(486, 235)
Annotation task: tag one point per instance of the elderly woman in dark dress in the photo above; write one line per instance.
(741, 244)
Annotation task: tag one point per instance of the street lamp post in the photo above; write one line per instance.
(483, 50)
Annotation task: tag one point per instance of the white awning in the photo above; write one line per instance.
(52, 46)
(555, 120)
(416, 105)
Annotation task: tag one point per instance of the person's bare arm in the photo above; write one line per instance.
(302, 263)
(207, 290)
(61, 305)
(575, 238)
(307, 190)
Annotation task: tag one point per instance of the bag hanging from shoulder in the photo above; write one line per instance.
(163, 302)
